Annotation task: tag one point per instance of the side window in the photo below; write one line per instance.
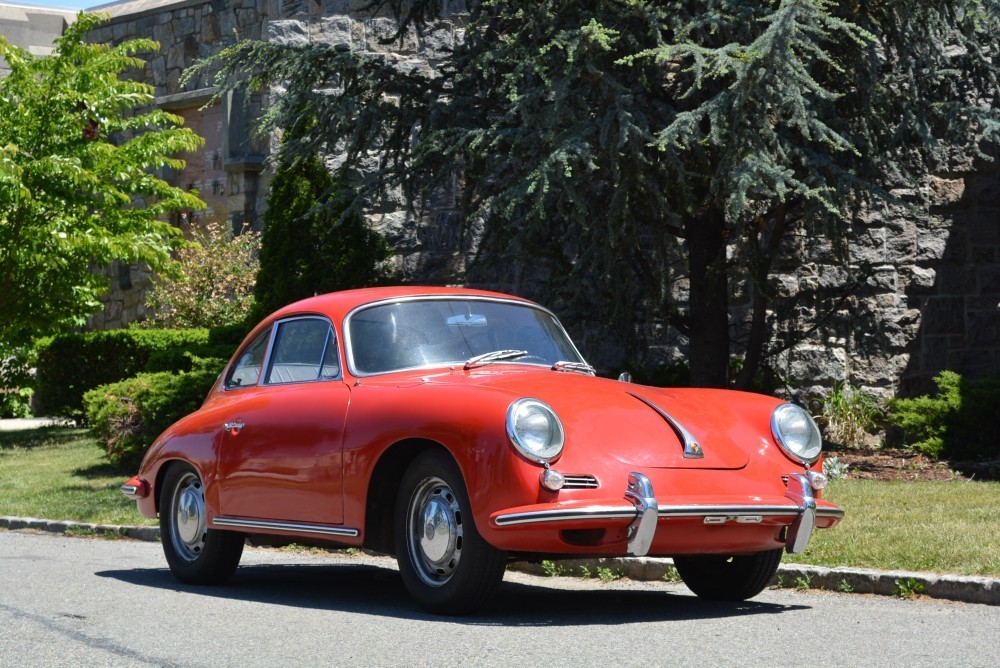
(247, 369)
(305, 349)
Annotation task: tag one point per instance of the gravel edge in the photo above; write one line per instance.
(963, 588)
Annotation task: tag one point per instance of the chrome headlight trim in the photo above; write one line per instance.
(794, 430)
(535, 430)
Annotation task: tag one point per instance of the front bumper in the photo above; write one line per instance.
(644, 518)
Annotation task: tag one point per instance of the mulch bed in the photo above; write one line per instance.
(897, 464)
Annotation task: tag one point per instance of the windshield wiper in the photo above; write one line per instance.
(495, 356)
(580, 367)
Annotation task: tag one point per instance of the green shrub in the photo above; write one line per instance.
(71, 364)
(128, 415)
(15, 381)
(955, 423)
(850, 415)
(214, 282)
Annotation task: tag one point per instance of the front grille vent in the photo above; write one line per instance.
(580, 482)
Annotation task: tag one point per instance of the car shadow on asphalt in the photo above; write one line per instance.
(374, 590)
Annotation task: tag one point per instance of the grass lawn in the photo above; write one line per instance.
(59, 474)
(951, 527)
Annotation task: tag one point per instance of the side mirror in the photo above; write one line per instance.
(625, 377)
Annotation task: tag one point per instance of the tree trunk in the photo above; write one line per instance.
(709, 299)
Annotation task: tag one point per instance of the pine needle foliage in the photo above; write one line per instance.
(597, 138)
(79, 147)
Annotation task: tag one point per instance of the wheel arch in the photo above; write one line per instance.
(383, 487)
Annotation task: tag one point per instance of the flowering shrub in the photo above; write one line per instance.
(214, 283)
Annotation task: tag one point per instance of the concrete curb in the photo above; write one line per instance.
(963, 588)
(151, 534)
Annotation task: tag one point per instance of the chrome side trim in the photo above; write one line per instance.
(692, 448)
(640, 533)
(733, 512)
(800, 491)
(593, 512)
(285, 526)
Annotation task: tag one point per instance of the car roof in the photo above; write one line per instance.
(337, 305)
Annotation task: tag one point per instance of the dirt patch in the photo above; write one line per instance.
(897, 464)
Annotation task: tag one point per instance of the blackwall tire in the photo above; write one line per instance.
(196, 554)
(723, 578)
(445, 564)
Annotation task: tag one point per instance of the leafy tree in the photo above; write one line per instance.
(597, 138)
(78, 151)
(307, 249)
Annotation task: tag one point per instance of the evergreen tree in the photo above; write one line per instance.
(307, 249)
(599, 137)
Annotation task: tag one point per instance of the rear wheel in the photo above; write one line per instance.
(724, 578)
(195, 553)
(445, 564)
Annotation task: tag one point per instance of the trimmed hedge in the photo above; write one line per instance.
(128, 415)
(71, 364)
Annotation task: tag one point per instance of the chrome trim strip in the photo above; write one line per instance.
(728, 511)
(692, 448)
(594, 512)
(630, 512)
(640, 533)
(285, 526)
(348, 344)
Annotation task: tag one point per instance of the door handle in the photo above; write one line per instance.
(233, 427)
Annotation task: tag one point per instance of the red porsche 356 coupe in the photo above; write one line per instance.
(456, 428)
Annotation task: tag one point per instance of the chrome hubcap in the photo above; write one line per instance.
(435, 531)
(189, 526)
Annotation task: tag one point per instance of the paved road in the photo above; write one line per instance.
(92, 602)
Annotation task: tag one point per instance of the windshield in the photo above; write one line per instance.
(434, 332)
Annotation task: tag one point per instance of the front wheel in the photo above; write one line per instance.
(195, 553)
(724, 578)
(445, 564)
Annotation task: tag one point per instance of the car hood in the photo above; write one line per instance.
(632, 423)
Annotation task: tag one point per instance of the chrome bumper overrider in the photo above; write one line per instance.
(644, 513)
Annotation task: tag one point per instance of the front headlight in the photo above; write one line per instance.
(796, 433)
(535, 430)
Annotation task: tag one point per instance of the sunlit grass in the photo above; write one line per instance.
(58, 473)
(951, 527)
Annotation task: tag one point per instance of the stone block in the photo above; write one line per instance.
(956, 280)
(931, 245)
(934, 355)
(942, 191)
(438, 41)
(988, 280)
(287, 32)
(921, 279)
(973, 363)
(377, 30)
(983, 327)
(333, 30)
(943, 315)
